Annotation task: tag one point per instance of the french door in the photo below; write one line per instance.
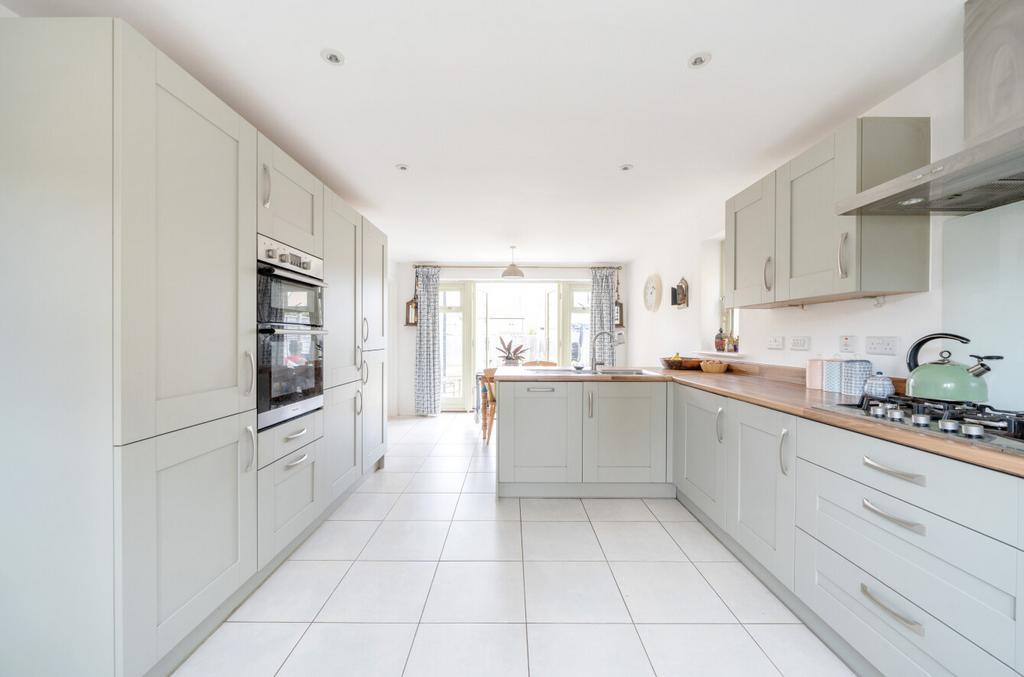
(454, 313)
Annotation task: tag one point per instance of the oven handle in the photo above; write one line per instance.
(274, 271)
(302, 332)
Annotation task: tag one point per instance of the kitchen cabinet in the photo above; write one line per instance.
(761, 485)
(374, 408)
(624, 428)
(290, 200)
(540, 432)
(343, 241)
(699, 440)
(342, 444)
(750, 246)
(374, 292)
(823, 256)
(185, 253)
(290, 498)
(186, 540)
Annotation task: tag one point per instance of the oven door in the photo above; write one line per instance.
(287, 298)
(290, 379)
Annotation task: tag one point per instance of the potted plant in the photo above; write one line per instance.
(512, 356)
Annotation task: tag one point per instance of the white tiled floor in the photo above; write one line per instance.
(422, 572)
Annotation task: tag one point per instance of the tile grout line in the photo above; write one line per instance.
(522, 554)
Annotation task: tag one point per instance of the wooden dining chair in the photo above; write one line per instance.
(540, 363)
(488, 403)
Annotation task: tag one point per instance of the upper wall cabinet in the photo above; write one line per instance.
(343, 242)
(750, 245)
(374, 296)
(185, 263)
(290, 201)
(818, 255)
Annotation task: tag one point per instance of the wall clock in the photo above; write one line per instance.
(652, 292)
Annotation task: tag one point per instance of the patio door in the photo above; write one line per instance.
(454, 313)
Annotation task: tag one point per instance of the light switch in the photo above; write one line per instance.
(776, 342)
(800, 343)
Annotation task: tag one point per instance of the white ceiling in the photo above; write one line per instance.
(514, 116)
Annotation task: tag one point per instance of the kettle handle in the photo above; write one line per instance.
(912, 362)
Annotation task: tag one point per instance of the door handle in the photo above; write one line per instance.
(366, 329)
(289, 466)
(840, 250)
(252, 447)
(359, 356)
(916, 527)
(718, 424)
(359, 406)
(767, 282)
(782, 456)
(913, 626)
(590, 404)
(364, 372)
(295, 436)
(252, 372)
(905, 476)
(266, 177)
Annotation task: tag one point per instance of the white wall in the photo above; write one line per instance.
(937, 94)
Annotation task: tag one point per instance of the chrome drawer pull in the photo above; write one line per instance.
(295, 436)
(289, 466)
(767, 282)
(839, 255)
(782, 460)
(252, 447)
(913, 626)
(905, 476)
(916, 527)
(718, 424)
(540, 390)
(590, 405)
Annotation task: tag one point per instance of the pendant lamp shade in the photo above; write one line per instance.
(512, 270)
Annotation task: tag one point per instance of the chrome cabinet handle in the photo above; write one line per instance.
(366, 329)
(289, 466)
(916, 527)
(359, 408)
(782, 459)
(840, 250)
(540, 390)
(364, 372)
(913, 626)
(590, 405)
(905, 476)
(266, 177)
(252, 447)
(252, 372)
(718, 424)
(359, 355)
(295, 436)
(767, 282)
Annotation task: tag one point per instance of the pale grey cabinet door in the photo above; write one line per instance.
(624, 432)
(185, 260)
(343, 294)
(374, 408)
(186, 536)
(290, 498)
(761, 485)
(699, 437)
(540, 432)
(750, 245)
(817, 250)
(341, 446)
(375, 274)
(291, 200)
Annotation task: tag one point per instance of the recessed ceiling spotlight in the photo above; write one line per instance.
(625, 167)
(402, 167)
(910, 201)
(332, 56)
(699, 59)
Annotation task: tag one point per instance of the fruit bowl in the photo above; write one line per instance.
(677, 362)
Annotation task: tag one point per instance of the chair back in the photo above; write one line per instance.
(540, 363)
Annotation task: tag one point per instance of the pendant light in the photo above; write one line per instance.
(512, 270)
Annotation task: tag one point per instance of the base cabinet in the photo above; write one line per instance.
(186, 532)
(289, 499)
(540, 438)
(342, 444)
(624, 432)
(374, 408)
(699, 445)
(761, 485)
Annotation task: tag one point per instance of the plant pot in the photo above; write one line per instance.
(510, 362)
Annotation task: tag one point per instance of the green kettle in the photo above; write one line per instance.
(944, 379)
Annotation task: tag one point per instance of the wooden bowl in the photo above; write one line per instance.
(714, 367)
(680, 362)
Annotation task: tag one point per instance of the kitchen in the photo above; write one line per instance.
(285, 440)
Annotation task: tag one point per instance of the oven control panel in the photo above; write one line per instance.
(289, 258)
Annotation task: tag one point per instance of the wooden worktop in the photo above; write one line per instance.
(794, 398)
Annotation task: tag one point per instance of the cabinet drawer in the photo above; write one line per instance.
(285, 438)
(941, 485)
(895, 635)
(963, 578)
(288, 499)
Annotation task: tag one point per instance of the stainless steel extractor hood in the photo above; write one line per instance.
(990, 171)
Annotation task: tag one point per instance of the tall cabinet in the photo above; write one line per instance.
(374, 332)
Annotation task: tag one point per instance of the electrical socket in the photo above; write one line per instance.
(847, 344)
(776, 342)
(881, 345)
(800, 343)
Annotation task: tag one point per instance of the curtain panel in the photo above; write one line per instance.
(428, 343)
(602, 312)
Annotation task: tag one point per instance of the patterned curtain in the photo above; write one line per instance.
(602, 312)
(428, 343)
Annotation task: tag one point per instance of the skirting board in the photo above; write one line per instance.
(176, 656)
(825, 633)
(586, 489)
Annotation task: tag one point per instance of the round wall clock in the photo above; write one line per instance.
(652, 292)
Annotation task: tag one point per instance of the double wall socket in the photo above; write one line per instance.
(799, 342)
(881, 345)
(776, 343)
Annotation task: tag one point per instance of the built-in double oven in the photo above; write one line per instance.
(290, 333)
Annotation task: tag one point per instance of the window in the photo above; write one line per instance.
(456, 368)
(520, 312)
(575, 322)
